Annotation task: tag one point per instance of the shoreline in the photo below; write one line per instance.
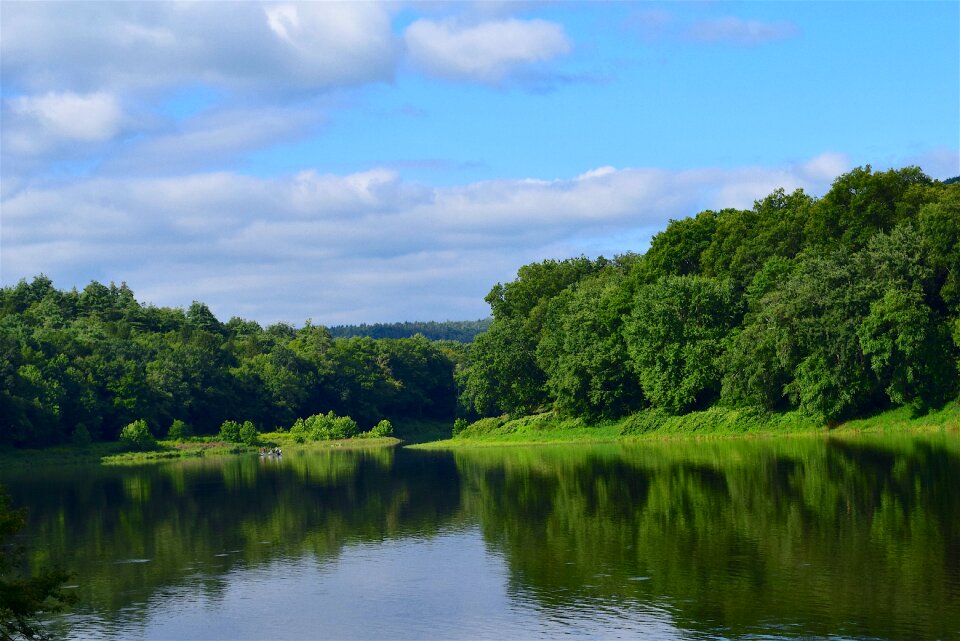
(535, 430)
(711, 424)
(111, 453)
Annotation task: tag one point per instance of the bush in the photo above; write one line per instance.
(382, 429)
(299, 431)
(324, 427)
(248, 433)
(137, 436)
(81, 435)
(179, 430)
(230, 432)
(459, 425)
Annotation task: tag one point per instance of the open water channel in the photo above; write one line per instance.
(749, 539)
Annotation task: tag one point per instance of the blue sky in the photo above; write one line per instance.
(386, 162)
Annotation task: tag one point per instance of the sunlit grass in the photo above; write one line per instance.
(715, 422)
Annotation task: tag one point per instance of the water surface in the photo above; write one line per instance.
(772, 539)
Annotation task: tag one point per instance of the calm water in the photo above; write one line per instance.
(789, 539)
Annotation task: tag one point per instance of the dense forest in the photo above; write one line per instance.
(838, 307)
(459, 331)
(79, 364)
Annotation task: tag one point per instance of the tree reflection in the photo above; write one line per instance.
(852, 537)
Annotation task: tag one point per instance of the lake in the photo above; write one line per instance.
(787, 538)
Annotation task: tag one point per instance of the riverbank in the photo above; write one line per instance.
(548, 428)
(114, 453)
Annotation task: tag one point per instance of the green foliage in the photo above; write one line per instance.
(837, 307)
(906, 346)
(230, 432)
(248, 433)
(458, 331)
(24, 600)
(583, 352)
(677, 250)
(382, 429)
(81, 436)
(675, 338)
(326, 427)
(137, 436)
(459, 425)
(179, 430)
(299, 431)
(503, 374)
(99, 358)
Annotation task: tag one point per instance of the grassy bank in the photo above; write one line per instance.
(712, 423)
(114, 453)
(285, 441)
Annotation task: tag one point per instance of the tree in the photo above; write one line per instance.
(24, 599)
(675, 337)
(906, 347)
(137, 436)
(583, 353)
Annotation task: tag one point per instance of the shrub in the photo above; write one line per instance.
(459, 425)
(230, 431)
(179, 430)
(81, 435)
(137, 436)
(248, 433)
(324, 427)
(299, 431)
(381, 429)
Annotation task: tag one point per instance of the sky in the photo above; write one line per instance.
(382, 162)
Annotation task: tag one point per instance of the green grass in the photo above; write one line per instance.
(902, 420)
(115, 453)
(168, 450)
(286, 442)
(527, 430)
(715, 422)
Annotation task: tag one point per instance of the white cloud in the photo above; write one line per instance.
(86, 118)
(62, 123)
(734, 30)
(367, 246)
(826, 166)
(252, 47)
(488, 52)
(211, 139)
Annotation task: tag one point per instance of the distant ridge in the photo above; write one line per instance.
(459, 331)
(949, 181)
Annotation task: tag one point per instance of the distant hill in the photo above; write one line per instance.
(459, 331)
(949, 181)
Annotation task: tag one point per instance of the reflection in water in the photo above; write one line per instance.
(787, 538)
(797, 536)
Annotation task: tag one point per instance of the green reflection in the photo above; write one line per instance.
(128, 533)
(856, 537)
(794, 537)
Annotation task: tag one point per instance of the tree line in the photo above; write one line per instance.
(76, 363)
(837, 306)
(459, 331)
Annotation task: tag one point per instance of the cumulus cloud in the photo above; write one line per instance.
(252, 47)
(36, 124)
(734, 30)
(488, 52)
(367, 246)
(87, 118)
